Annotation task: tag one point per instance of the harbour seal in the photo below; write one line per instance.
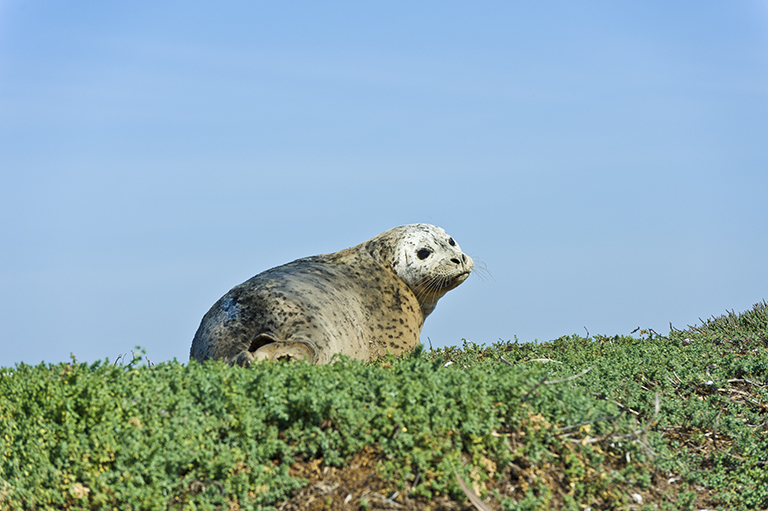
(361, 302)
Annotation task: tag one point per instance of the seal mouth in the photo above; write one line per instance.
(449, 283)
(461, 277)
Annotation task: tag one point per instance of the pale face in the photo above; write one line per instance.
(429, 261)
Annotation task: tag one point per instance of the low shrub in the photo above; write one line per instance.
(603, 422)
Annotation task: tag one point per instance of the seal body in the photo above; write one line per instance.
(361, 302)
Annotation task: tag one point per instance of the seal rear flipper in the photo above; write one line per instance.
(286, 350)
(260, 341)
(267, 347)
(245, 357)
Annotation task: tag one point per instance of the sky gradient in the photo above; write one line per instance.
(607, 162)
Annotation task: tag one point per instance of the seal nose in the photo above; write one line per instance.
(456, 261)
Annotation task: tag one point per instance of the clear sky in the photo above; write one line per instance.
(606, 161)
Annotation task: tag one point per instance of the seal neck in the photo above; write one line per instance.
(427, 308)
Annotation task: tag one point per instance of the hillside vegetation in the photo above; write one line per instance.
(645, 422)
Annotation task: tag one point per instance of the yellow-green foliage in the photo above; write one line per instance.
(79, 436)
(98, 436)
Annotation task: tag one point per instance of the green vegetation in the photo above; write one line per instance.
(648, 422)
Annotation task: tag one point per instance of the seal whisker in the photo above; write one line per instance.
(481, 270)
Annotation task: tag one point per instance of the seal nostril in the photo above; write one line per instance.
(463, 258)
(454, 260)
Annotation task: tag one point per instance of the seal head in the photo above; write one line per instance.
(425, 257)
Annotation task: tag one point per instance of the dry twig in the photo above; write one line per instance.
(582, 373)
(474, 499)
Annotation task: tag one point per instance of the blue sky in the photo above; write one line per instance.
(606, 161)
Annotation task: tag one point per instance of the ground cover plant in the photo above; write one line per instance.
(622, 422)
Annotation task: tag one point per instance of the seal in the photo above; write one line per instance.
(360, 302)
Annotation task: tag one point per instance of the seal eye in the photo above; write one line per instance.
(423, 253)
(451, 242)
